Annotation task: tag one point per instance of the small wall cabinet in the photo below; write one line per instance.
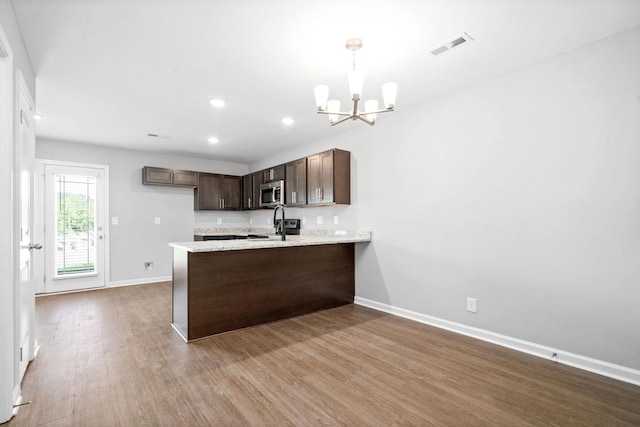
(169, 177)
(217, 192)
(329, 178)
(275, 173)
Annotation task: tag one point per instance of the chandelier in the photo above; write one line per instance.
(356, 80)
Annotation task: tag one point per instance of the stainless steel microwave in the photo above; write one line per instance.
(272, 193)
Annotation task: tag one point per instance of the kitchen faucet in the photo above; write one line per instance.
(282, 230)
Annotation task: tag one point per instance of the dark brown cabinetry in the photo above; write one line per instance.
(251, 190)
(296, 182)
(217, 192)
(329, 178)
(220, 291)
(275, 173)
(169, 177)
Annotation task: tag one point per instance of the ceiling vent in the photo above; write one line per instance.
(450, 44)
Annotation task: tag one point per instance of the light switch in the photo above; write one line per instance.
(114, 220)
(319, 220)
(157, 220)
(335, 219)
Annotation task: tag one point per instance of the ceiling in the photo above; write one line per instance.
(111, 72)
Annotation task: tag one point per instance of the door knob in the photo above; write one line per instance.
(35, 246)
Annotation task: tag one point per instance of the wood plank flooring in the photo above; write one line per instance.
(110, 358)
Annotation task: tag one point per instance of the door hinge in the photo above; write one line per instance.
(21, 354)
(21, 113)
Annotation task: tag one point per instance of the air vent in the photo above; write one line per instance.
(450, 44)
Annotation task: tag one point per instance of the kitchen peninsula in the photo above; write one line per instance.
(222, 285)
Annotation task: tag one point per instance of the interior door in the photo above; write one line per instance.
(74, 227)
(25, 152)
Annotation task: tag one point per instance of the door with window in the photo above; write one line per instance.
(74, 227)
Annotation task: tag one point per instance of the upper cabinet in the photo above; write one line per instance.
(251, 190)
(169, 177)
(275, 173)
(329, 178)
(217, 192)
(296, 183)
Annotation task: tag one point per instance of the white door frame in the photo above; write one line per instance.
(40, 218)
(9, 387)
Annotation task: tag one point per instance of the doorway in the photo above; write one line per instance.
(75, 233)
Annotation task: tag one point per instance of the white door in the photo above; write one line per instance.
(74, 227)
(25, 152)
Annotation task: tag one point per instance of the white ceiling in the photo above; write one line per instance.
(110, 72)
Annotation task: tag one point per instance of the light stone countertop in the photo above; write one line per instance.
(311, 237)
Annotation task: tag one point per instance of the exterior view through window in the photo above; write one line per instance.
(75, 234)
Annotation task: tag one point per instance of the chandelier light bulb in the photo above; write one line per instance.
(333, 106)
(371, 105)
(389, 92)
(356, 81)
(322, 95)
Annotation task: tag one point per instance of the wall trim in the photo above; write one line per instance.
(134, 282)
(618, 372)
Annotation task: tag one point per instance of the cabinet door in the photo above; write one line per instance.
(296, 182)
(275, 173)
(247, 192)
(230, 193)
(320, 178)
(313, 179)
(158, 176)
(257, 181)
(186, 178)
(326, 177)
(207, 195)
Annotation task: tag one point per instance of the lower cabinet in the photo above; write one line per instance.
(217, 192)
(220, 291)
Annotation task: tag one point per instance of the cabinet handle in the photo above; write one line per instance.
(222, 203)
(249, 202)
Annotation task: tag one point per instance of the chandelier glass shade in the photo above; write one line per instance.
(356, 82)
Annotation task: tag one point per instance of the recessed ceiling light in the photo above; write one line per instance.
(37, 116)
(215, 102)
(288, 121)
(213, 140)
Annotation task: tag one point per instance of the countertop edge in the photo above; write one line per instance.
(273, 242)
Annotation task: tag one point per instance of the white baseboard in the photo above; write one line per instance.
(600, 367)
(133, 282)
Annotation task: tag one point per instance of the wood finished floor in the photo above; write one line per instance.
(110, 358)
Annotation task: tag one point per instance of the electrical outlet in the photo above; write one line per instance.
(319, 220)
(336, 220)
(148, 265)
(157, 220)
(250, 221)
(304, 220)
(114, 220)
(471, 305)
(219, 221)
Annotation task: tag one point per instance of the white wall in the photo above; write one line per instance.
(523, 192)
(136, 239)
